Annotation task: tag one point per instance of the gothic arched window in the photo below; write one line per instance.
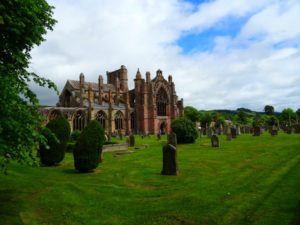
(161, 102)
(101, 117)
(132, 121)
(79, 121)
(119, 121)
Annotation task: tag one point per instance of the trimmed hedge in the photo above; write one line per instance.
(57, 133)
(89, 147)
(185, 130)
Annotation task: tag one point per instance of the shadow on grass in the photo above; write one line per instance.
(10, 207)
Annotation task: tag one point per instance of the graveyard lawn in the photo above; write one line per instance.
(248, 180)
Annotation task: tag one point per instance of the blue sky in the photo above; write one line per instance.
(222, 53)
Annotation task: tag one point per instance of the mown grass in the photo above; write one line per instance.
(249, 180)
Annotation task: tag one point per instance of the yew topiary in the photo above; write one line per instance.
(89, 147)
(57, 133)
(185, 130)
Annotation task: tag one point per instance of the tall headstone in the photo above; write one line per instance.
(233, 132)
(131, 140)
(215, 143)
(256, 131)
(170, 166)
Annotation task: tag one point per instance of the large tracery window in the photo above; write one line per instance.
(119, 121)
(101, 118)
(132, 121)
(79, 121)
(161, 102)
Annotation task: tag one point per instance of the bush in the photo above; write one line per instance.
(57, 133)
(89, 147)
(185, 130)
(75, 135)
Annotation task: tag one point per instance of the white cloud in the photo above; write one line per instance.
(247, 70)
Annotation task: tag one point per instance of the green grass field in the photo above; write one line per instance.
(249, 180)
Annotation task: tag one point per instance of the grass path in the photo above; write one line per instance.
(249, 180)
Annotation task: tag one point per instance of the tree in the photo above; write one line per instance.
(89, 147)
(192, 114)
(287, 116)
(54, 153)
(185, 130)
(241, 117)
(206, 119)
(22, 26)
(269, 110)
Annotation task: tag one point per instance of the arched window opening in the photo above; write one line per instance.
(67, 98)
(161, 102)
(119, 121)
(101, 117)
(54, 114)
(79, 121)
(132, 121)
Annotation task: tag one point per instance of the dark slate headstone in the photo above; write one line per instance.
(172, 139)
(215, 143)
(233, 132)
(256, 131)
(131, 140)
(170, 166)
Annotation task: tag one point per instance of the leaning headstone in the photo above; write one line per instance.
(158, 136)
(170, 166)
(215, 143)
(233, 132)
(131, 140)
(172, 139)
(256, 131)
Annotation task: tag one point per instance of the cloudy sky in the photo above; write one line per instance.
(222, 53)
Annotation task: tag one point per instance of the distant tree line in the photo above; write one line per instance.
(243, 116)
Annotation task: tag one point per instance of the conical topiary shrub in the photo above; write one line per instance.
(89, 147)
(57, 133)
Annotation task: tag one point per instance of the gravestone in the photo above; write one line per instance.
(172, 139)
(238, 130)
(158, 136)
(170, 166)
(256, 131)
(289, 130)
(297, 129)
(209, 132)
(131, 140)
(215, 143)
(233, 132)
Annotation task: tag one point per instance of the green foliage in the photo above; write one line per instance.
(54, 152)
(22, 26)
(269, 110)
(185, 130)
(206, 119)
(89, 147)
(288, 116)
(75, 135)
(192, 114)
